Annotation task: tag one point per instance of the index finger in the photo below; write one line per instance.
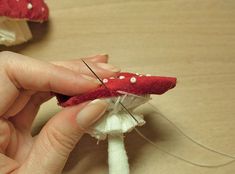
(31, 74)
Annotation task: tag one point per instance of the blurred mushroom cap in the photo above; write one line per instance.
(30, 10)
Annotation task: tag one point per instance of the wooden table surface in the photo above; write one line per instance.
(192, 40)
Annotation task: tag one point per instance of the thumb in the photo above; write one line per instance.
(59, 136)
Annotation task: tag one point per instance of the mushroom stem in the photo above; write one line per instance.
(13, 32)
(118, 161)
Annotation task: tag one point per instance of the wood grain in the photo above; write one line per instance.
(192, 40)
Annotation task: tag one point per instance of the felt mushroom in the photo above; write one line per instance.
(14, 15)
(132, 90)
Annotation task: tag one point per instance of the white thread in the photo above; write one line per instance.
(191, 139)
(181, 158)
(176, 156)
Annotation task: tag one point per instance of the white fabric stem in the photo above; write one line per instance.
(118, 161)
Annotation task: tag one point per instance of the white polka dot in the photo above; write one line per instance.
(105, 80)
(111, 78)
(133, 80)
(137, 74)
(148, 75)
(121, 77)
(140, 75)
(29, 6)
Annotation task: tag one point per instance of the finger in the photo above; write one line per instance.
(19, 103)
(24, 96)
(5, 133)
(102, 58)
(39, 76)
(8, 92)
(98, 58)
(7, 165)
(43, 76)
(103, 70)
(59, 136)
(24, 119)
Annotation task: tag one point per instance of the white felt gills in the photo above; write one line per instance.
(13, 32)
(116, 120)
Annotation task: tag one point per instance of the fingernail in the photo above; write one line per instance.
(108, 67)
(97, 55)
(90, 78)
(104, 54)
(91, 113)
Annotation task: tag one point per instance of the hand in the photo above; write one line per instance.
(25, 84)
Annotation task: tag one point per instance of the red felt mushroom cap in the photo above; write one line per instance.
(126, 82)
(33, 10)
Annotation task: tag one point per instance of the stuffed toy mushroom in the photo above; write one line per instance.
(129, 90)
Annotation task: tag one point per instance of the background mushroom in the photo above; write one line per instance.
(131, 90)
(14, 15)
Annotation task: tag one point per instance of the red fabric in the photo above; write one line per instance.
(18, 9)
(143, 85)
